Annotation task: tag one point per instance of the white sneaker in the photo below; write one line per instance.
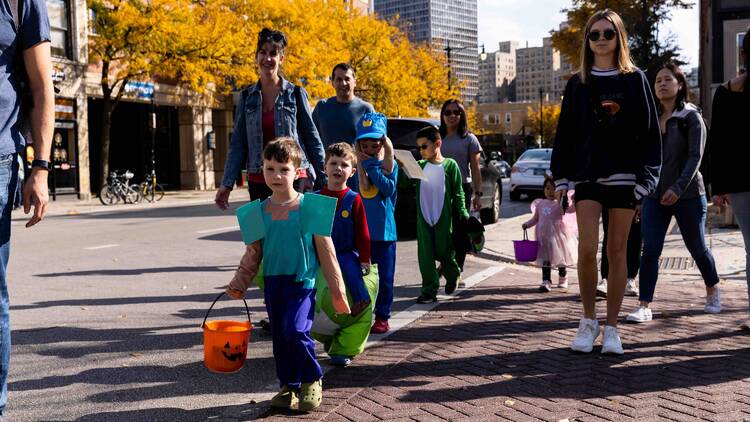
(588, 331)
(641, 314)
(562, 283)
(611, 343)
(601, 288)
(630, 288)
(546, 286)
(713, 303)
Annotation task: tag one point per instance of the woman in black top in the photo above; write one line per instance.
(608, 144)
(729, 147)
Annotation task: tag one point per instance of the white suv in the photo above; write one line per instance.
(527, 174)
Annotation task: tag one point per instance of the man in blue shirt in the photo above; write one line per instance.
(336, 117)
(25, 47)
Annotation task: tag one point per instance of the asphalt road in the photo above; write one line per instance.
(106, 311)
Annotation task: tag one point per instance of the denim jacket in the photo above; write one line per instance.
(291, 119)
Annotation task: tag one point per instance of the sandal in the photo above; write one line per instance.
(311, 395)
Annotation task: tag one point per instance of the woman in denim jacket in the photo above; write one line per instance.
(271, 108)
(679, 193)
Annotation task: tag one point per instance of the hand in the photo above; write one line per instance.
(340, 304)
(476, 203)
(721, 200)
(361, 156)
(36, 193)
(388, 144)
(235, 294)
(365, 268)
(560, 194)
(637, 216)
(222, 197)
(524, 226)
(669, 198)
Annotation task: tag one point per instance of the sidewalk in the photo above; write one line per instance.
(500, 352)
(70, 205)
(676, 264)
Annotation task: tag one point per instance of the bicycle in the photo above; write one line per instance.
(150, 190)
(118, 189)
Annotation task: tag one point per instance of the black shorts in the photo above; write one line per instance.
(607, 196)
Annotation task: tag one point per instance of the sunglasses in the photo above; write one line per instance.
(609, 35)
(423, 146)
(453, 112)
(276, 37)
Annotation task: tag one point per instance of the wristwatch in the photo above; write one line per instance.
(41, 163)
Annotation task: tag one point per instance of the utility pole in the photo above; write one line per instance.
(448, 50)
(541, 114)
(152, 124)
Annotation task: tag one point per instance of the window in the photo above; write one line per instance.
(59, 22)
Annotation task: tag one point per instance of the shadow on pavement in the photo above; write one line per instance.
(139, 300)
(141, 271)
(241, 412)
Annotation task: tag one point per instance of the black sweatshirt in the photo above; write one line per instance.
(608, 133)
(728, 142)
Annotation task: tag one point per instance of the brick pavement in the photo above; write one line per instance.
(500, 352)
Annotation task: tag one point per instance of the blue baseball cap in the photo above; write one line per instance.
(371, 126)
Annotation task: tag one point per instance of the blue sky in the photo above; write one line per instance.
(531, 20)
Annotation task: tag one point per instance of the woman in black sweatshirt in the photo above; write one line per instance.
(729, 149)
(607, 147)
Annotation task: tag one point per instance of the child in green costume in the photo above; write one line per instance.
(439, 198)
(344, 336)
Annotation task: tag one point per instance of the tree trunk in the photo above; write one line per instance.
(106, 121)
(106, 125)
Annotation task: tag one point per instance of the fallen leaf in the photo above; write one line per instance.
(563, 420)
(135, 354)
(506, 376)
(509, 402)
(83, 308)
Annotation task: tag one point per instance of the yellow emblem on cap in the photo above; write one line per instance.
(345, 214)
(366, 123)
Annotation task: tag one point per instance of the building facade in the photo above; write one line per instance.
(497, 74)
(723, 24)
(450, 25)
(183, 158)
(537, 70)
(362, 5)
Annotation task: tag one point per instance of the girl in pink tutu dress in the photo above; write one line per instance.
(556, 231)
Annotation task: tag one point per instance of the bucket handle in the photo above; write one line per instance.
(525, 235)
(212, 306)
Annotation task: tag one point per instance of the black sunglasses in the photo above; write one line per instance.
(423, 146)
(276, 37)
(609, 35)
(453, 112)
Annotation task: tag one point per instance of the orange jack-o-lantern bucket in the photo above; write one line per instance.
(225, 342)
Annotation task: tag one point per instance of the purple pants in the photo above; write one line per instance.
(290, 309)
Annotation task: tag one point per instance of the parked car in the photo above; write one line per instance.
(501, 165)
(527, 174)
(402, 132)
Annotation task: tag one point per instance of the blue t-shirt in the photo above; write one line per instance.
(34, 30)
(337, 122)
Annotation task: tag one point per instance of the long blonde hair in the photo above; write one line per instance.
(622, 52)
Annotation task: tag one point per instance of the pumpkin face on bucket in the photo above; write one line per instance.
(225, 345)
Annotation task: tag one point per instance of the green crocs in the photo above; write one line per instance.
(285, 399)
(310, 395)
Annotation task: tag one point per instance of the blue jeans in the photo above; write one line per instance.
(691, 218)
(741, 206)
(8, 182)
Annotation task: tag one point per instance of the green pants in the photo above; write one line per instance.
(436, 244)
(343, 335)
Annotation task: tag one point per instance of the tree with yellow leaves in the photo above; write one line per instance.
(547, 121)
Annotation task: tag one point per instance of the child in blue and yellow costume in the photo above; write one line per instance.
(344, 336)
(290, 232)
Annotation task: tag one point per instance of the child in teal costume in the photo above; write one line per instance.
(290, 232)
(344, 336)
(438, 199)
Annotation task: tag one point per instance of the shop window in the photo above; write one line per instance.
(59, 21)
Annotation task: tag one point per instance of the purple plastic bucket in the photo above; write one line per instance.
(526, 250)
